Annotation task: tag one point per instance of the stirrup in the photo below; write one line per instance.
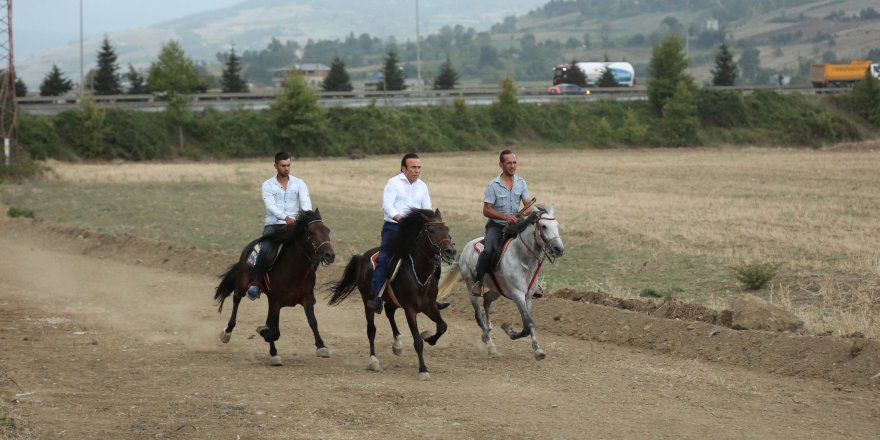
(375, 304)
(477, 288)
(253, 291)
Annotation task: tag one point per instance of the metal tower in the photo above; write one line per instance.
(8, 104)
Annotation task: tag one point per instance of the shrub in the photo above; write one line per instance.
(756, 274)
(15, 212)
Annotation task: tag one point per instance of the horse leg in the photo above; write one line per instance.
(417, 342)
(397, 345)
(528, 327)
(270, 333)
(482, 317)
(434, 314)
(226, 334)
(371, 335)
(309, 307)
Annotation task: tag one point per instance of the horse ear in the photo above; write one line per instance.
(318, 212)
(551, 211)
(437, 213)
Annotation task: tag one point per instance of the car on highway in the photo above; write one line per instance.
(568, 89)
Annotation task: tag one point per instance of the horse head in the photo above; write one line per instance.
(547, 228)
(437, 238)
(317, 237)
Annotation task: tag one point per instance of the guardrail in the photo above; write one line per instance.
(359, 98)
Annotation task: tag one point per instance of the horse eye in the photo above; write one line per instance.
(544, 226)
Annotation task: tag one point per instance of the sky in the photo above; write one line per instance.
(40, 25)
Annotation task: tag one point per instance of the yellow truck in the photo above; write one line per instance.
(842, 75)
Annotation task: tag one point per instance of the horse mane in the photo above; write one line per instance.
(289, 234)
(401, 244)
(523, 223)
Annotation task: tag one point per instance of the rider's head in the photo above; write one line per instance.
(282, 163)
(507, 162)
(411, 166)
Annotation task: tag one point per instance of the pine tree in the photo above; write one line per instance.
(337, 79)
(231, 81)
(725, 71)
(55, 84)
(575, 75)
(106, 79)
(394, 77)
(136, 84)
(20, 88)
(680, 125)
(505, 111)
(174, 72)
(666, 70)
(447, 78)
(607, 79)
(300, 123)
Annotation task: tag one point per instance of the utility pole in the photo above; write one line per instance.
(418, 50)
(8, 103)
(82, 85)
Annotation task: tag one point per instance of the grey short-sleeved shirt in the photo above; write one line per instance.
(504, 200)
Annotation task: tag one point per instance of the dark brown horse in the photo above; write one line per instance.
(421, 243)
(303, 247)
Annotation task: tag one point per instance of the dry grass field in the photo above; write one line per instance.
(673, 221)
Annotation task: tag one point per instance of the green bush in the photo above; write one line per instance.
(15, 212)
(39, 138)
(721, 108)
(756, 274)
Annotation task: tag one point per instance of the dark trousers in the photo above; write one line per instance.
(492, 243)
(389, 229)
(265, 248)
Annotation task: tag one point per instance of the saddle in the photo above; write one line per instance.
(271, 259)
(480, 245)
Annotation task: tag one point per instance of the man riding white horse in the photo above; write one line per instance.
(501, 205)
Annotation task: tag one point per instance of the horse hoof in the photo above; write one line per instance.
(493, 351)
(224, 337)
(425, 334)
(539, 354)
(261, 329)
(275, 361)
(397, 346)
(323, 352)
(374, 364)
(424, 376)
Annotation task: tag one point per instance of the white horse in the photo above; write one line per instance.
(515, 274)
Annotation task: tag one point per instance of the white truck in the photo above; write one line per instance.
(623, 72)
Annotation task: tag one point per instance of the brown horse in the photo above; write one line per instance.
(421, 243)
(303, 247)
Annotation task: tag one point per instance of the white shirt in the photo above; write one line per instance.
(400, 197)
(281, 202)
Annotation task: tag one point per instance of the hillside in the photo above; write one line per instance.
(527, 36)
(786, 37)
(252, 23)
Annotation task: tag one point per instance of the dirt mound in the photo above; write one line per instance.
(689, 331)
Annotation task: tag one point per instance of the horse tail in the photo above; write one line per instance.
(342, 288)
(227, 285)
(447, 280)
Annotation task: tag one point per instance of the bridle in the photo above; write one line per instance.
(311, 242)
(435, 257)
(545, 242)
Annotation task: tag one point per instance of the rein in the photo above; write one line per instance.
(435, 257)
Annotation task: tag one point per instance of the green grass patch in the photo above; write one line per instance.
(15, 212)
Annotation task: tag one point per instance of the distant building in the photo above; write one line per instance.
(314, 74)
(711, 24)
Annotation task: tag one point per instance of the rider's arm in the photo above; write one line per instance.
(490, 212)
(305, 202)
(524, 199)
(388, 198)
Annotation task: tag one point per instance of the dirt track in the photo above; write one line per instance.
(112, 344)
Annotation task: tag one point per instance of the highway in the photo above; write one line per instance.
(52, 105)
